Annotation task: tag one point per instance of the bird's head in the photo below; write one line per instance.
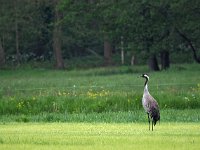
(145, 76)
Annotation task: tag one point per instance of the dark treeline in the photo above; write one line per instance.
(137, 31)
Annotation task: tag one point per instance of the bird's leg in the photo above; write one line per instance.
(148, 120)
(152, 125)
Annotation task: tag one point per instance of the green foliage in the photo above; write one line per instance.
(146, 26)
(26, 24)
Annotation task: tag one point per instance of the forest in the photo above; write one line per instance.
(65, 34)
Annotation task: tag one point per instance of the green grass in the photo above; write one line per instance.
(98, 109)
(102, 90)
(171, 136)
(137, 116)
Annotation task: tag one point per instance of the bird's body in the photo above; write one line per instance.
(150, 105)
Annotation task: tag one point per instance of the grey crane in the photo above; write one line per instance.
(150, 104)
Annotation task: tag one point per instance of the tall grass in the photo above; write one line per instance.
(167, 115)
(102, 90)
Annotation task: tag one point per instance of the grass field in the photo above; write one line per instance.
(171, 136)
(115, 89)
(98, 109)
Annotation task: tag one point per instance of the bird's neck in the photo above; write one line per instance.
(146, 86)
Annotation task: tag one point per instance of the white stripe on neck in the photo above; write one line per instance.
(146, 89)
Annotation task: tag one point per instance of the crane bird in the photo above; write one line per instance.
(150, 104)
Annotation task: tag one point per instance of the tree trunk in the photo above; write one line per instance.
(165, 62)
(132, 60)
(2, 56)
(17, 35)
(57, 39)
(122, 50)
(107, 52)
(17, 43)
(153, 63)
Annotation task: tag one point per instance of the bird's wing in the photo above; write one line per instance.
(150, 103)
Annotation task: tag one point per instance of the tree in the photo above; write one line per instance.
(2, 32)
(80, 31)
(57, 37)
(107, 52)
(191, 45)
(146, 32)
(184, 18)
(2, 56)
(16, 14)
(98, 21)
(105, 11)
(165, 61)
(33, 30)
(25, 29)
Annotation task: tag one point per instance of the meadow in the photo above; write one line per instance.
(98, 108)
(99, 136)
(52, 95)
